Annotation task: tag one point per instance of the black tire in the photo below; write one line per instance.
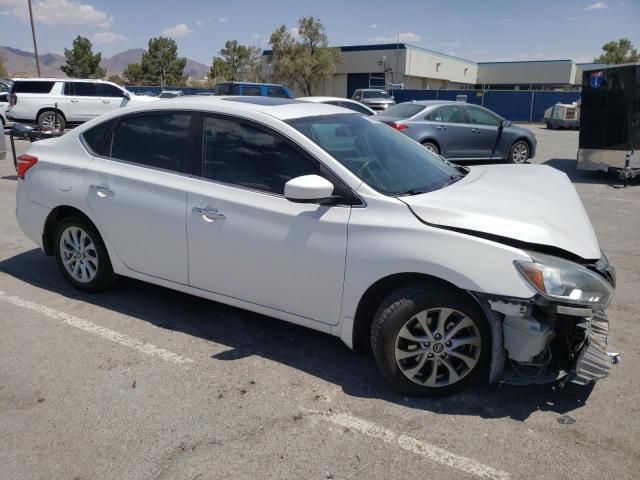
(431, 146)
(515, 153)
(46, 121)
(104, 275)
(549, 126)
(398, 309)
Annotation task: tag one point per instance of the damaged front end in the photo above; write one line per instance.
(561, 333)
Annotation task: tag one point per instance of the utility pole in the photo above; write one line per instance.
(35, 44)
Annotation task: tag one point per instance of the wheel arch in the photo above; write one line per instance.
(54, 217)
(50, 109)
(432, 140)
(378, 291)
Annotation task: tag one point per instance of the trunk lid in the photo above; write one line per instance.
(529, 203)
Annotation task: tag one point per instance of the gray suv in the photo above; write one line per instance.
(373, 98)
(461, 131)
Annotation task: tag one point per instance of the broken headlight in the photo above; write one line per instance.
(563, 280)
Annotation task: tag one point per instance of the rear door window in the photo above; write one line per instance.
(32, 87)
(157, 140)
(85, 89)
(251, 90)
(451, 114)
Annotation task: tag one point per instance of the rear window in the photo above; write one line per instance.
(403, 110)
(32, 87)
(374, 94)
(278, 92)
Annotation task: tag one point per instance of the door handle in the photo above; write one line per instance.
(209, 215)
(74, 100)
(106, 101)
(442, 128)
(475, 130)
(102, 191)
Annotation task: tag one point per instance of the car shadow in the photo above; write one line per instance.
(323, 356)
(569, 166)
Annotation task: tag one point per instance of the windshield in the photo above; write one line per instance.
(374, 94)
(403, 110)
(385, 159)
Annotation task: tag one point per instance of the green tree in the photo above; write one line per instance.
(160, 63)
(133, 74)
(117, 79)
(305, 60)
(237, 62)
(81, 61)
(618, 52)
(218, 71)
(3, 69)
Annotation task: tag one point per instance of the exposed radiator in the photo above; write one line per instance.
(593, 362)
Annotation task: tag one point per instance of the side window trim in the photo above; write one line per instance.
(354, 199)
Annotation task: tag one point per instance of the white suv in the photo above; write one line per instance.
(323, 217)
(53, 103)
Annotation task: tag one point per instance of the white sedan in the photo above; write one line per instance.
(340, 102)
(332, 220)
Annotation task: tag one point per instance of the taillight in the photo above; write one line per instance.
(398, 126)
(13, 99)
(25, 162)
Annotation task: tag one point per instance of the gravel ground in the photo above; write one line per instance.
(143, 382)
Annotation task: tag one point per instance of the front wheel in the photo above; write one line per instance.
(82, 256)
(431, 341)
(519, 152)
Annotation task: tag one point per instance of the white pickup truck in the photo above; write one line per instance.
(54, 103)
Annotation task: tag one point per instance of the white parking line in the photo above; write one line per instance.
(425, 450)
(106, 333)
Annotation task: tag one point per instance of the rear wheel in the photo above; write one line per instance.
(431, 341)
(51, 121)
(519, 152)
(549, 126)
(82, 256)
(432, 147)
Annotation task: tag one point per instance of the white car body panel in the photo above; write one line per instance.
(269, 251)
(531, 203)
(302, 263)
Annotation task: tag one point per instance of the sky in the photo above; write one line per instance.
(488, 30)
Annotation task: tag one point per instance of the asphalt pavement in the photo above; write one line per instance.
(142, 382)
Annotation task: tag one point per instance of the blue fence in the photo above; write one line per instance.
(516, 105)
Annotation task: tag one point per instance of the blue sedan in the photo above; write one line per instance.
(461, 131)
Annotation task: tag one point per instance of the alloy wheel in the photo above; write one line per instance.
(51, 122)
(78, 254)
(438, 347)
(520, 153)
(431, 147)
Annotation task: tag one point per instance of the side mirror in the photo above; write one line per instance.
(505, 123)
(308, 189)
(127, 95)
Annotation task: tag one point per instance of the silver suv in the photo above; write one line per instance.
(373, 98)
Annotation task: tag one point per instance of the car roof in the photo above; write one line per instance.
(58, 79)
(251, 83)
(280, 108)
(428, 103)
(325, 99)
(372, 90)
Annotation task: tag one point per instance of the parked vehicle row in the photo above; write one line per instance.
(461, 131)
(54, 103)
(323, 217)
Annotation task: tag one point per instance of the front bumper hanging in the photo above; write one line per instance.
(593, 362)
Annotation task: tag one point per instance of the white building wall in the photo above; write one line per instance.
(553, 72)
(426, 64)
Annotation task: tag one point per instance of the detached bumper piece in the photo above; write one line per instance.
(593, 362)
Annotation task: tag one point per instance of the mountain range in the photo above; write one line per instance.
(20, 63)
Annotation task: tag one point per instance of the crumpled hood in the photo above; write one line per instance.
(530, 203)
